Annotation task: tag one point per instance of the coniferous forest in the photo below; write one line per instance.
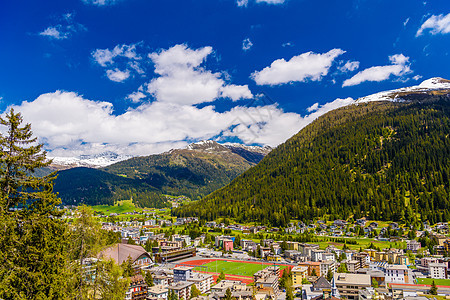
(381, 160)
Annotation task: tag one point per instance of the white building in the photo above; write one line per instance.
(328, 256)
(396, 274)
(438, 271)
(158, 291)
(325, 266)
(413, 245)
(316, 254)
(203, 282)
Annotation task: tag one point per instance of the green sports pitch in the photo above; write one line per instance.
(234, 268)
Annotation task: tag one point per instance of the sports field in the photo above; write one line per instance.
(234, 267)
(429, 281)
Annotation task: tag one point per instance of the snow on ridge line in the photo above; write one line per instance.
(435, 83)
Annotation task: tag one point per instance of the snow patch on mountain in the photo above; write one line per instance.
(257, 149)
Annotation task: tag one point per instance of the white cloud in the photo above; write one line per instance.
(246, 44)
(105, 57)
(399, 67)
(313, 107)
(182, 80)
(70, 125)
(117, 75)
(136, 97)
(64, 30)
(53, 32)
(120, 57)
(417, 77)
(270, 1)
(100, 2)
(236, 92)
(349, 66)
(436, 24)
(309, 65)
(242, 2)
(406, 22)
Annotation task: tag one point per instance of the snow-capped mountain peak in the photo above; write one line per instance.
(92, 161)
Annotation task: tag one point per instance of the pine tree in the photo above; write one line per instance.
(19, 158)
(149, 279)
(433, 289)
(220, 277)
(228, 295)
(329, 275)
(33, 238)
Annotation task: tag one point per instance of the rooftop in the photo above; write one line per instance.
(157, 289)
(356, 279)
(120, 252)
(180, 285)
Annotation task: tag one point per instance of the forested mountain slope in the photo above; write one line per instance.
(386, 160)
(196, 171)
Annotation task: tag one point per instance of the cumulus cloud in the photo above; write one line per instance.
(435, 25)
(349, 66)
(70, 125)
(183, 80)
(137, 96)
(236, 92)
(65, 30)
(123, 56)
(246, 44)
(399, 67)
(117, 75)
(306, 66)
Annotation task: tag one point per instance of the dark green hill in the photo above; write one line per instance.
(194, 172)
(383, 160)
(92, 186)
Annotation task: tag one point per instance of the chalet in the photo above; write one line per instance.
(137, 289)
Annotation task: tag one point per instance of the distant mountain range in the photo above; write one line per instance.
(91, 161)
(195, 171)
(387, 157)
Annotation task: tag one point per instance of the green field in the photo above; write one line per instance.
(429, 281)
(234, 268)
(119, 207)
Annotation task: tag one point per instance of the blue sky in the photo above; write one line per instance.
(144, 76)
